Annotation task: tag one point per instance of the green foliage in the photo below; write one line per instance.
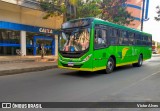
(73, 2)
(52, 8)
(113, 11)
(110, 10)
(90, 8)
(158, 14)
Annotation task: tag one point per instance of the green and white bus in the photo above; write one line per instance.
(92, 44)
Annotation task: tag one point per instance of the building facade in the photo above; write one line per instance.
(22, 27)
(137, 8)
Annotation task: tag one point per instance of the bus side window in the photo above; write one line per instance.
(146, 40)
(137, 39)
(149, 40)
(100, 38)
(123, 39)
(113, 36)
(104, 37)
(141, 39)
(131, 38)
(120, 37)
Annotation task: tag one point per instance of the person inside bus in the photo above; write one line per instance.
(71, 45)
(100, 38)
(84, 39)
(66, 46)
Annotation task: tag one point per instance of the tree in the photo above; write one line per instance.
(115, 11)
(111, 10)
(70, 9)
(88, 8)
(158, 13)
(57, 8)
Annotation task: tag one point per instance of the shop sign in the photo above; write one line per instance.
(45, 30)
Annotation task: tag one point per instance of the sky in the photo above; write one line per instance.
(152, 26)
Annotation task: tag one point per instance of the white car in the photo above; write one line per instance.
(154, 51)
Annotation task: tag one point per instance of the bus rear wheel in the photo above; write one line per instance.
(140, 62)
(110, 65)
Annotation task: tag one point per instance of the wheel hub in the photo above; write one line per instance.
(140, 61)
(110, 65)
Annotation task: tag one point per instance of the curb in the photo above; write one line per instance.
(20, 71)
(155, 55)
(16, 61)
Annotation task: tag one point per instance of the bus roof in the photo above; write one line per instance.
(97, 20)
(118, 26)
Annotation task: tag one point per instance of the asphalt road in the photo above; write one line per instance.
(125, 84)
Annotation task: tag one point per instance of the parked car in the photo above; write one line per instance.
(154, 51)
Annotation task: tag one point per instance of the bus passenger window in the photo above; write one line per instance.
(150, 40)
(113, 36)
(125, 40)
(131, 38)
(100, 38)
(121, 37)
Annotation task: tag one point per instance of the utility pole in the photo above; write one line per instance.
(142, 18)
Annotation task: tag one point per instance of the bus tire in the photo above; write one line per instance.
(140, 62)
(110, 65)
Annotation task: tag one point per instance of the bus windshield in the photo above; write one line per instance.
(74, 40)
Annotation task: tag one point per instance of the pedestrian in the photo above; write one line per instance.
(42, 51)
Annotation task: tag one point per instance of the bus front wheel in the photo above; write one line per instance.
(140, 62)
(110, 65)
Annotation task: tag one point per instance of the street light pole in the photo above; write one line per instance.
(142, 18)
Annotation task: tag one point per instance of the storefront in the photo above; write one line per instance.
(27, 38)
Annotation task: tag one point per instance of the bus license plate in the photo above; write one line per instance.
(70, 64)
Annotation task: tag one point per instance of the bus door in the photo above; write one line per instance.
(100, 53)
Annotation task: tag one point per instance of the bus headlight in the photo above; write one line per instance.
(87, 58)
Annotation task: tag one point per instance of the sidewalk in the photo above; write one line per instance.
(16, 64)
(155, 55)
